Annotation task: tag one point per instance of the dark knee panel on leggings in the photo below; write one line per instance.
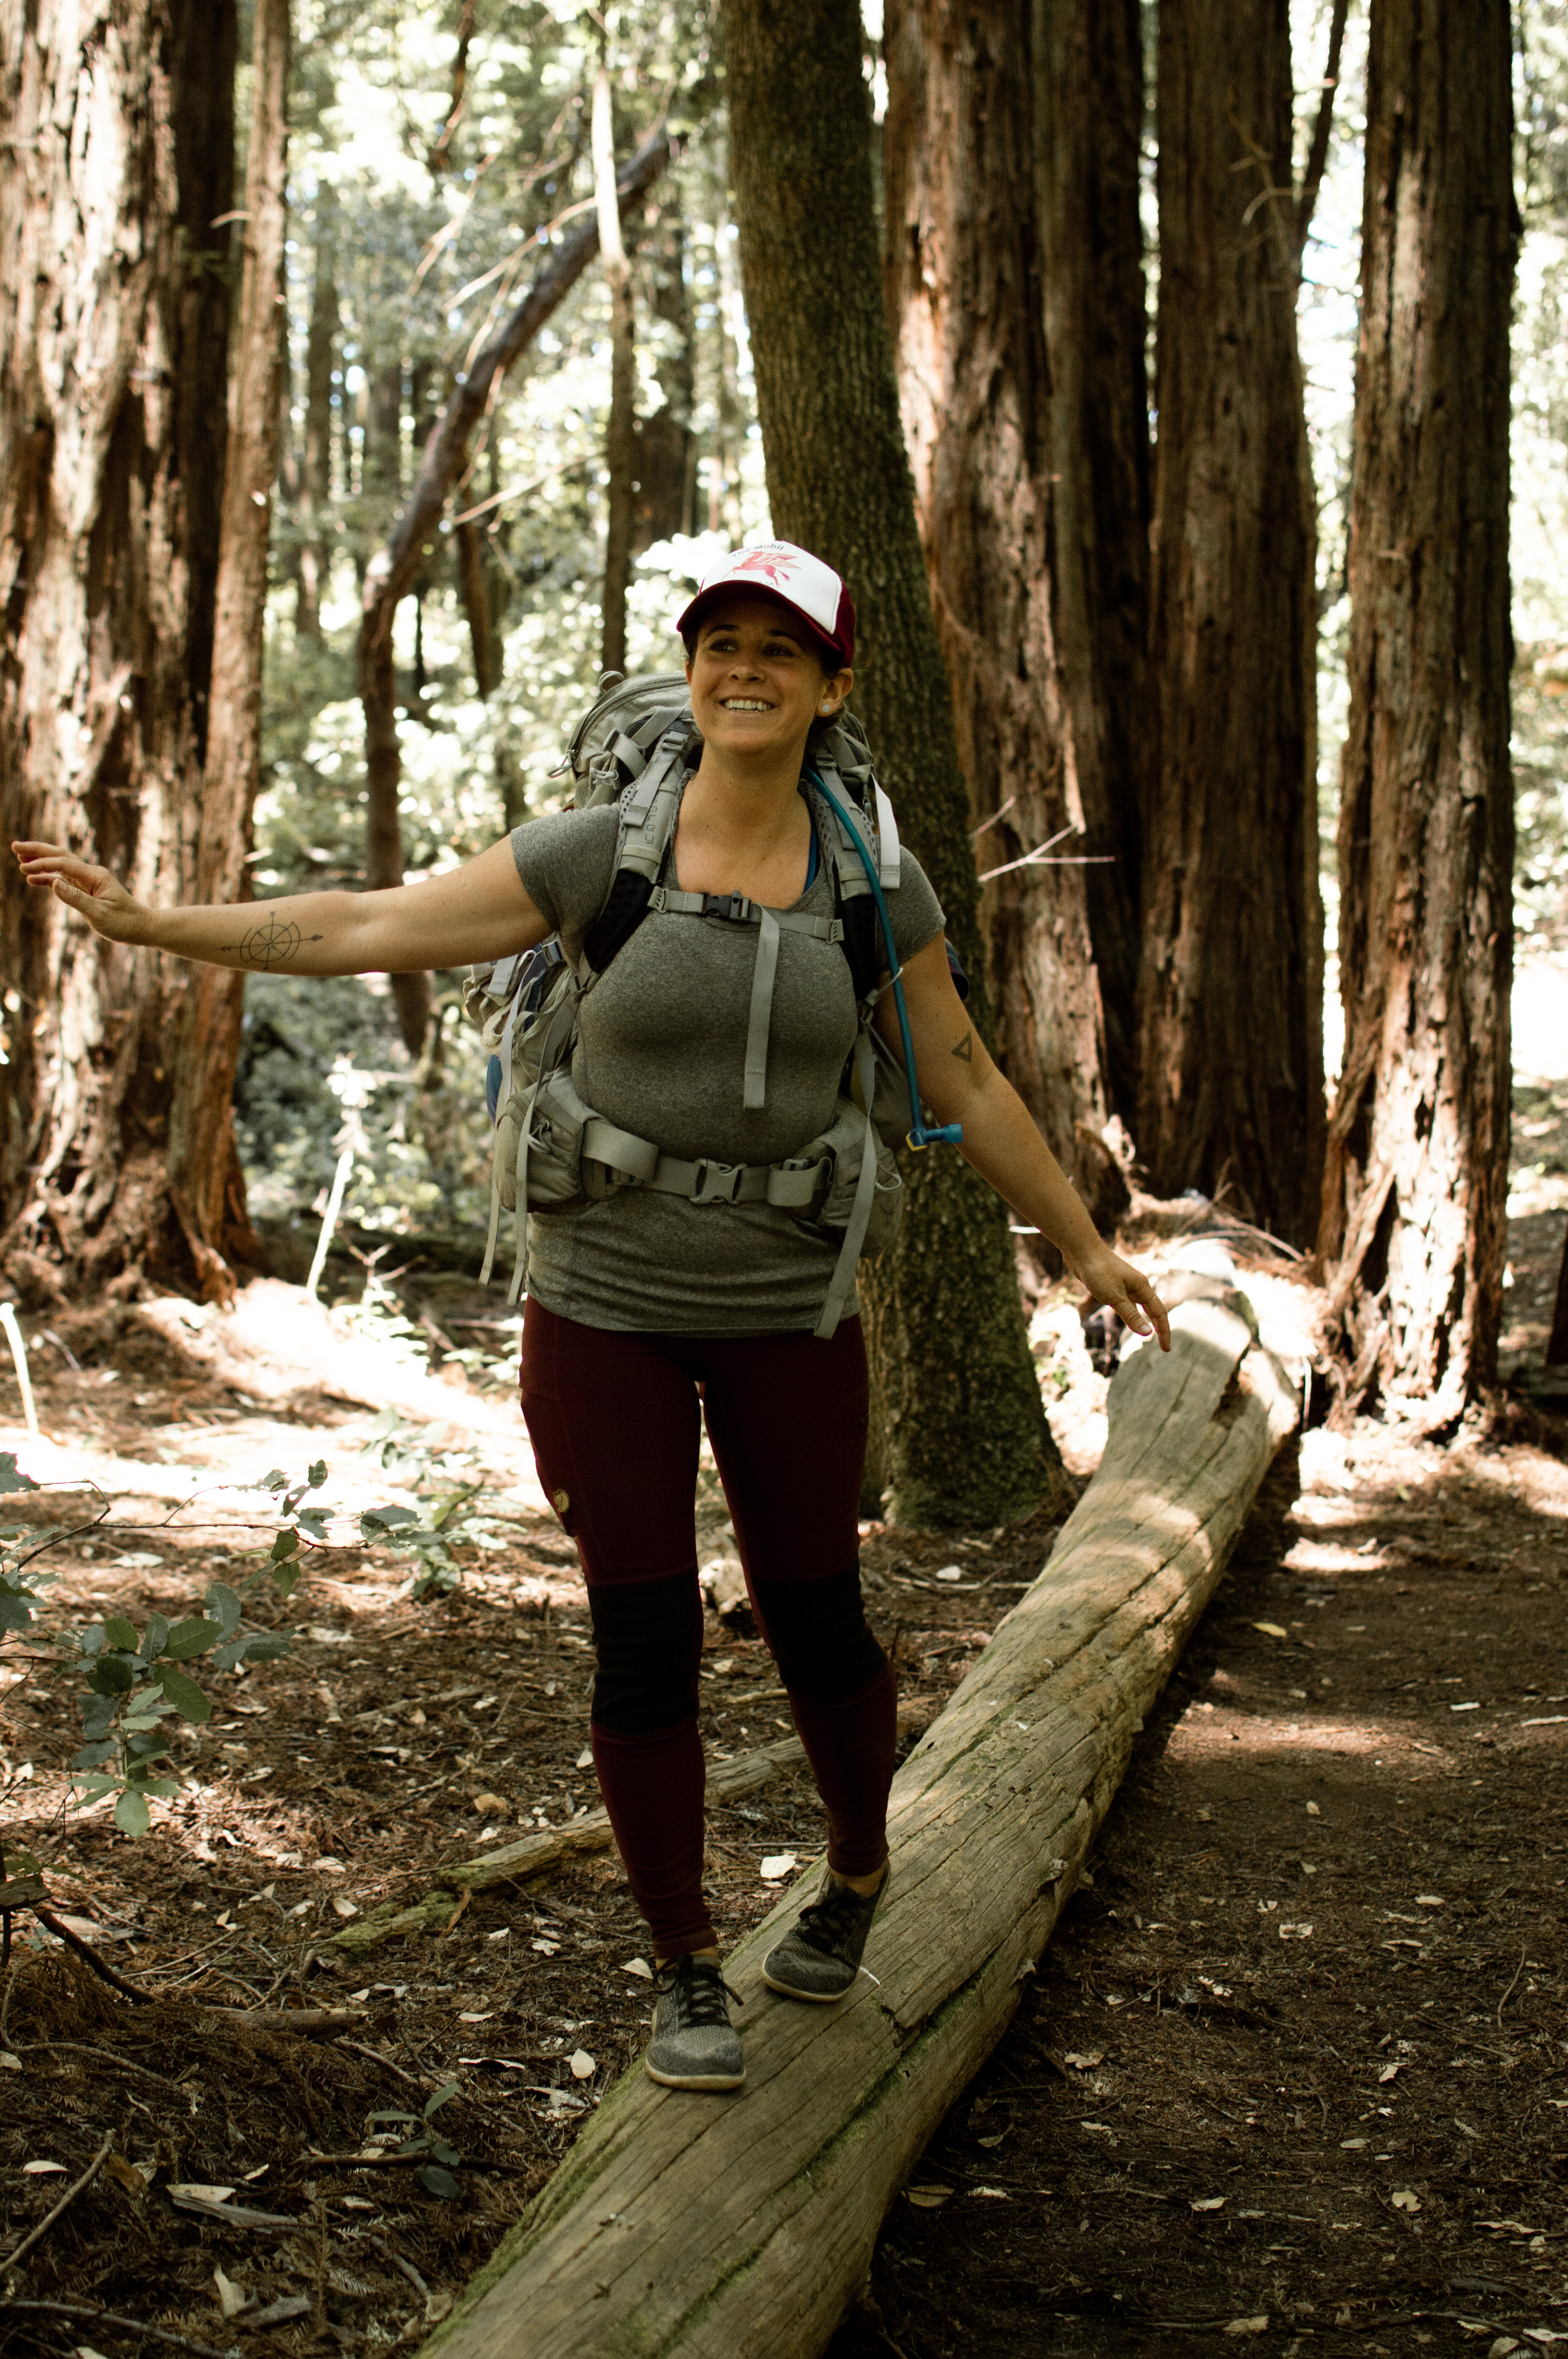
(647, 1636)
(818, 1635)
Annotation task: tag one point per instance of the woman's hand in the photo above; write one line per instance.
(82, 886)
(1123, 1287)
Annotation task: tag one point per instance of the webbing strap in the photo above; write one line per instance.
(865, 1189)
(757, 1025)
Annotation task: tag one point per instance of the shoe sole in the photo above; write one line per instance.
(812, 1998)
(715, 2081)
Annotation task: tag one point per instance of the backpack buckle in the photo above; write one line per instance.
(717, 1183)
(734, 905)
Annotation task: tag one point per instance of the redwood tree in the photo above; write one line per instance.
(118, 132)
(1417, 1172)
(966, 1437)
(1230, 995)
(1015, 287)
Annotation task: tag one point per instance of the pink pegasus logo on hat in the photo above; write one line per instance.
(764, 561)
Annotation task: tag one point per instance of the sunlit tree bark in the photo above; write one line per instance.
(620, 435)
(118, 134)
(1415, 1193)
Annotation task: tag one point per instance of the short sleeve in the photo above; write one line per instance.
(566, 862)
(914, 908)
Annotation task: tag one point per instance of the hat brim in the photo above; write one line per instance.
(706, 600)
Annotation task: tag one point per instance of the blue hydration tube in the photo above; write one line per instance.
(947, 1134)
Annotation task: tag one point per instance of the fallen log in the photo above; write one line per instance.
(737, 2228)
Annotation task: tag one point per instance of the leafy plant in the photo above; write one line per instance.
(134, 1680)
(435, 2173)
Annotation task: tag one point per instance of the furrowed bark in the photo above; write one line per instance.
(118, 131)
(1089, 135)
(206, 1183)
(392, 572)
(1416, 1183)
(967, 1441)
(719, 2228)
(1231, 995)
(964, 270)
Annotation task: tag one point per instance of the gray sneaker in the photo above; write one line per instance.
(820, 1955)
(694, 2045)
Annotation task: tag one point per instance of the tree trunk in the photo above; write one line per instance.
(1088, 134)
(1416, 1186)
(967, 1438)
(114, 327)
(1230, 1015)
(474, 589)
(664, 454)
(621, 438)
(316, 474)
(992, 1817)
(205, 1181)
(964, 292)
(392, 573)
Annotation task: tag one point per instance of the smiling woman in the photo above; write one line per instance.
(718, 1044)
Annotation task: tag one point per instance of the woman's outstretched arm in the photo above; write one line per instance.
(477, 911)
(959, 1082)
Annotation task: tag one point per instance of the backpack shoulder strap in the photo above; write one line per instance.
(648, 810)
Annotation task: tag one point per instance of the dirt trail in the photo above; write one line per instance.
(1296, 2066)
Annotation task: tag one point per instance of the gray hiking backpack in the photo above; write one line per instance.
(637, 746)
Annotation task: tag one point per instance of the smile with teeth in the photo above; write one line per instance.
(744, 704)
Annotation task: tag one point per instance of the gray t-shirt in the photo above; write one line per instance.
(661, 1052)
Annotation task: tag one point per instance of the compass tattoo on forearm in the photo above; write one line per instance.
(270, 945)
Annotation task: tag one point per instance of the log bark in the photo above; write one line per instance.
(1416, 1183)
(118, 132)
(958, 1404)
(1230, 996)
(392, 573)
(706, 2229)
(205, 1181)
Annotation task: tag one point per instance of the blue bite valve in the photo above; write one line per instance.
(948, 1135)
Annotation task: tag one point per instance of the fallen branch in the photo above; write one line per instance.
(47, 2223)
(108, 2318)
(738, 2228)
(534, 1856)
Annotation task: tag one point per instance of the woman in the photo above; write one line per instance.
(642, 1304)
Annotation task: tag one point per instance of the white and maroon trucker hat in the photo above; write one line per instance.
(793, 576)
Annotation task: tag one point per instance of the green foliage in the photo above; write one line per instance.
(132, 1681)
(422, 2139)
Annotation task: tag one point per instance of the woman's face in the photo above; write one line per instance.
(756, 683)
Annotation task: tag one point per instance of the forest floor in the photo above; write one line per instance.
(1295, 2065)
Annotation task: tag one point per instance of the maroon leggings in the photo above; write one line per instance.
(615, 1421)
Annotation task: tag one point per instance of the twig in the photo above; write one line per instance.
(385, 2063)
(1509, 1991)
(89, 1956)
(88, 2176)
(407, 2267)
(100, 2055)
(108, 2318)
